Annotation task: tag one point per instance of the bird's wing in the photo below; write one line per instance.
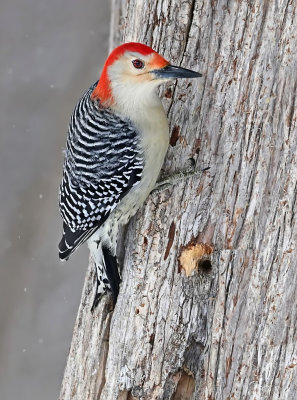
(103, 161)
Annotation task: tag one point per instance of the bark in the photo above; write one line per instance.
(207, 306)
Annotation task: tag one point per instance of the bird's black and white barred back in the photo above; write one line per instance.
(103, 161)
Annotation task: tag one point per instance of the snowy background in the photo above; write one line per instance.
(50, 53)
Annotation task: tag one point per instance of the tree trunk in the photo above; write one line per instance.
(207, 306)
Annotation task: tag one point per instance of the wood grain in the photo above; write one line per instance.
(227, 331)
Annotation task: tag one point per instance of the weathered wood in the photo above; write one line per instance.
(227, 331)
(85, 370)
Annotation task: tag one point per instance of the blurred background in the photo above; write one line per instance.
(51, 52)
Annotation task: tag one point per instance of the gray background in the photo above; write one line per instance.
(50, 53)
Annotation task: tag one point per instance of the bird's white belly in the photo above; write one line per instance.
(154, 131)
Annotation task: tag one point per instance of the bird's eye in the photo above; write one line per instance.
(138, 64)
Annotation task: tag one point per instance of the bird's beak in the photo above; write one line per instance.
(171, 72)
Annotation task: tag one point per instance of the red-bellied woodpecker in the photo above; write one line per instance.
(117, 140)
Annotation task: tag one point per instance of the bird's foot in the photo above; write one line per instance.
(96, 301)
(99, 296)
(168, 181)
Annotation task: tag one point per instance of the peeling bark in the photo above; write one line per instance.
(228, 330)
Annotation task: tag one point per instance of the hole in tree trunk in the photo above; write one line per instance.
(193, 256)
(204, 265)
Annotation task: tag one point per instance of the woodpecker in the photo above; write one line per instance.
(118, 136)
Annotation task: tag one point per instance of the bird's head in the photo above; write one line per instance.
(133, 71)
